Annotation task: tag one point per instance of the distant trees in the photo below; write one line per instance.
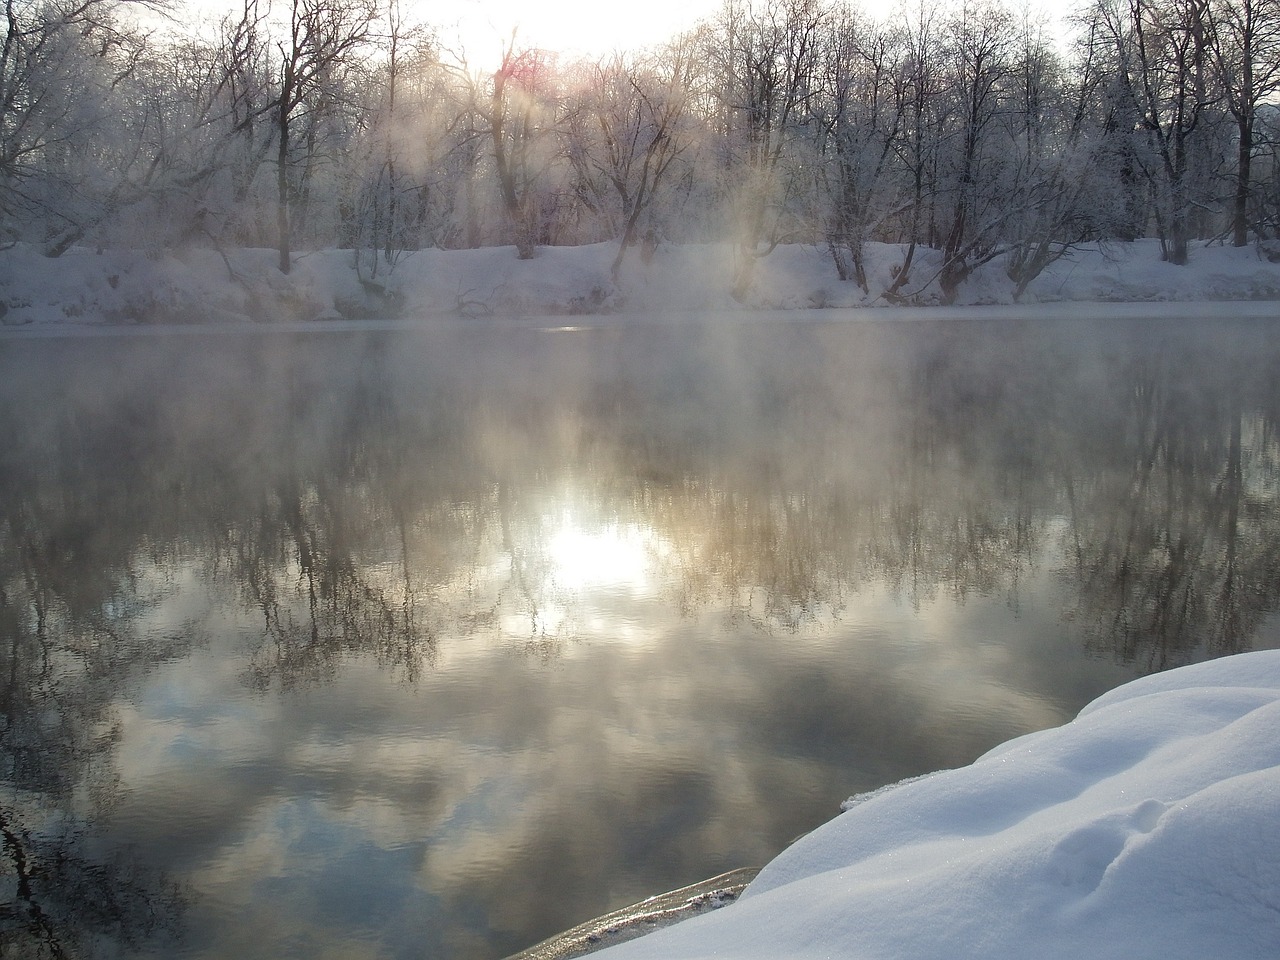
(1058, 150)
(959, 128)
(766, 67)
(1246, 60)
(398, 194)
(978, 51)
(629, 127)
(521, 116)
(64, 67)
(863, 113)
(321, 39)
(1162, 53)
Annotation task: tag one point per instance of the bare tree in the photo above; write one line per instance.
(863, 114)
(409, 105)
(66, 71)
(632, 126)
(981, 40)
(1163, 51)
(920, 85)
(1246, 54)
(521, 115)
(323, 35)
(1062, 187)
(768, 61)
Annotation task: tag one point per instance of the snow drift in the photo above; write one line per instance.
(1144, 828)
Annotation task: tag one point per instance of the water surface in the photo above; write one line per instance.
(431, 643)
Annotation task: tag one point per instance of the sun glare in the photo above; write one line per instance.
(586, 576)
(612, 555)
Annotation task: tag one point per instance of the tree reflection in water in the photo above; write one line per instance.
(382, 497)
(1175, 543)
(67, 647)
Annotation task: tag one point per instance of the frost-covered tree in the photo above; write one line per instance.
(406, 179)
(521, 116)
(320, 42)
(766, 59)
(1065, 191)
(629, 129)
(70, 153)
(980, 46)
(1266, 174)
(949, 124)
(1163, 55)
(922, 84)
(863, 116)
(1246, 56)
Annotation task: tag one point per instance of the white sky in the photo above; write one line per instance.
(580, 26)
(571, 26)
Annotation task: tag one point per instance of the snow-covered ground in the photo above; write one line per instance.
(1148, 827)
(119, 286)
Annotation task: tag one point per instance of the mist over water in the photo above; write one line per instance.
(433, 643)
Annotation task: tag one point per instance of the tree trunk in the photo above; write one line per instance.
(516, 204)
(1244, 162)
(282, 189)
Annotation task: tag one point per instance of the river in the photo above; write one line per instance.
(432, 641)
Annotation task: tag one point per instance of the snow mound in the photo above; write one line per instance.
(1146, 827)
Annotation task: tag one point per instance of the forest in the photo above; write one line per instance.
(971, 128)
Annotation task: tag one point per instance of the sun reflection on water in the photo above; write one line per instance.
(585, 577)
(618, 555)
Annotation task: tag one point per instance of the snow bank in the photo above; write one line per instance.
(115, 286)
(1147, 827)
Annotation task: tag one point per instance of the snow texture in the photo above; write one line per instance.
(201, 286)
(1146, 827)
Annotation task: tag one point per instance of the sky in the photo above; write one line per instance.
(581, 26)
(573, 26)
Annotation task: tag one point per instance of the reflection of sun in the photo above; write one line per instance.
(580, 576)
(608, 555)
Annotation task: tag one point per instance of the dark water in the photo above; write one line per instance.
(430, 644)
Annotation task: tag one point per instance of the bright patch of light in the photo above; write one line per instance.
(578, 577)
(612, 555)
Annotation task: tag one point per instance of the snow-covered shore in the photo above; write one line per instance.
(1144, 828)
(85, 286)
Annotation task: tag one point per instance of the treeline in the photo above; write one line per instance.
(969, 128)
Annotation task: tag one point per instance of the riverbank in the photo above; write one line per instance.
(129, 287)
